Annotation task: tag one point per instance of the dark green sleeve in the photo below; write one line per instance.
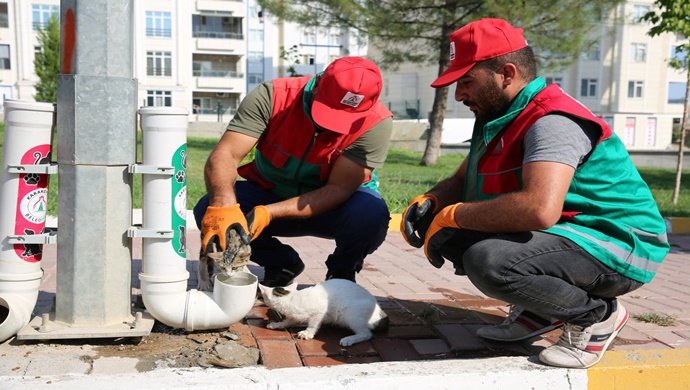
(371, 149)
(254, 111)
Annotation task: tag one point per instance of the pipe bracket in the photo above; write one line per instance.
(136, 231)
(151, 170)
(43, 238)
(46, 169)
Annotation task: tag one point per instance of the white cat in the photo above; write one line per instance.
(335, 301)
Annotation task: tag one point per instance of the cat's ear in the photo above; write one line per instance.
(280, 292)
(264, 290)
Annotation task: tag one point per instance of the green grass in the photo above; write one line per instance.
(659, 319)
(401, 178)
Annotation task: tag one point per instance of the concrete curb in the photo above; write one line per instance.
(619, 370)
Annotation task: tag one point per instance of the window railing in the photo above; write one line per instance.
(158, 32)
(154, 71)
(217, 35)
(217, 73)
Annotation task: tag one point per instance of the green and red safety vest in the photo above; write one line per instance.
(291, 156)
(609, 210)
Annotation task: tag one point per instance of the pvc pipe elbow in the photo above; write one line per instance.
(17, 301)
(167, 300)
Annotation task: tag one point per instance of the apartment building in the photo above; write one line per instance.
(624, 78)
(203, 55)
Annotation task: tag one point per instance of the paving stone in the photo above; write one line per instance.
(395, 350)
(279, 353)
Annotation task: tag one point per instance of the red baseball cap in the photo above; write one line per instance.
(346, 92)
(478, 41)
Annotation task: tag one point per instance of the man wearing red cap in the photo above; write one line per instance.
(547, 212)
(318, 140)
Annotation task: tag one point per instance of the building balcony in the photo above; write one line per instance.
(221, 41)
(220, 80)
(237, 8)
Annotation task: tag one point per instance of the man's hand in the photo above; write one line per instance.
(417, 217)
(441, 230)
(217, 221)
(257, 220)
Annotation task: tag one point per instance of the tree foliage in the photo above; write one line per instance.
(417, 31)
(673, 16)
(47, 61)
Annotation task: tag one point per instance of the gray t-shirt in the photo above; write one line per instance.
(559, 138)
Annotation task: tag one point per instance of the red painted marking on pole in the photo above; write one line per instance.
(68, 41)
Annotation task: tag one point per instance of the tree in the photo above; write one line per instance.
(47, 61)
(291, 55)
(672, 16)
(417, 31)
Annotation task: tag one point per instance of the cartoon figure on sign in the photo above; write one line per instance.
(183, 239)
(31, 250)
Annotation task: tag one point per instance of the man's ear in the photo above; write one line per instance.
(509, 72)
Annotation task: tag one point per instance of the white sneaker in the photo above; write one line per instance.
(519, 325)
(581, 347)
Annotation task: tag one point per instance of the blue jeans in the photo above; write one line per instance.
(544, 273)
(358, 226)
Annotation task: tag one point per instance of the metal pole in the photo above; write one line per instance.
(96, 120)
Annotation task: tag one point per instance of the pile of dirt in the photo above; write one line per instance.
(168, 347)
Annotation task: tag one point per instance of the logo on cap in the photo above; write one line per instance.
(352, 100)
(452, 51)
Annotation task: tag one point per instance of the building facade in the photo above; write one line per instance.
(624, 78)
(202, 55)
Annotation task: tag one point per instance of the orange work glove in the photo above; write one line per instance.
(441, 230)
(217, 221)
(257, 220)
(417, 217)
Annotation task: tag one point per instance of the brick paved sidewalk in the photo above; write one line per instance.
(434, 314)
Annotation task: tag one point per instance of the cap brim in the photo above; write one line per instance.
(336, 120)
(451, 75)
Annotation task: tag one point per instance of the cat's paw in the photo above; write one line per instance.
(305, 335)
(354, 339)
(205, 285)
(275, 325)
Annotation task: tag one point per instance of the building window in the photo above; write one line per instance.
(158, 63)
(554, 80)
(588, 87)
(629, 131)
(309, 59)
(158, 24)
(158, 98)
(334, 38)
(255, 78)
(310, 36)
(592, 54)
(5, 57)
(638, 11)
(679, 55)
(638, 52)
(635, 88)
(41, 13)
(650, 132)
(676, 92)
(4, 20)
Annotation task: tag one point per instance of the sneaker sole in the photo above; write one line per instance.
(528, 336)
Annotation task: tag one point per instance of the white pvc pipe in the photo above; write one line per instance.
(164, 271)
(23, 204)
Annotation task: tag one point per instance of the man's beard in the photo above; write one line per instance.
(493, 104)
